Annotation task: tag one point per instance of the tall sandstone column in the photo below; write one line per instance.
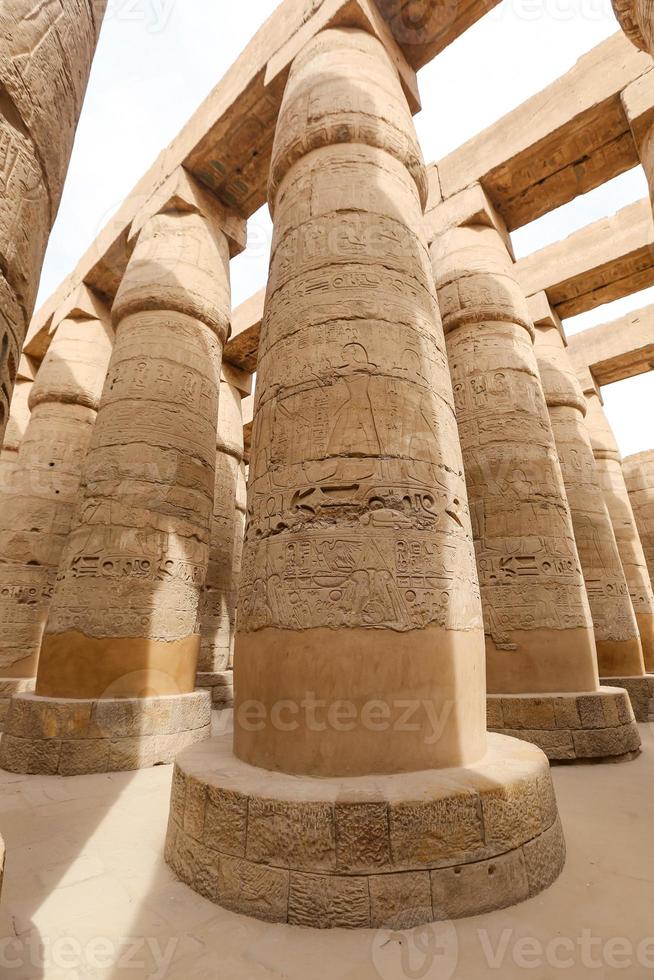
(639, 476)
(37, 510)
(636, 18)
(218, 610)
(361, 763)
(609, 466)
(119, 655)
(540, 650)
(46, 50)
(619, 650)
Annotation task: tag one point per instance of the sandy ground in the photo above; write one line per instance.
(87, 896)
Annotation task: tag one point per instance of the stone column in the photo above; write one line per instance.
(46, 50)
(541, 659)
(37, 510)
(639, 477)
(609, 466)
(119, 655)
(359, 614)
(218, 612)
(636, 18)
(19, 415)
(619, 650)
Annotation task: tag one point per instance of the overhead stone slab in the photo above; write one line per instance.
(617, 350)
(604, 261)
(566, 140)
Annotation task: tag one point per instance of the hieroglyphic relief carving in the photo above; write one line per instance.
(612, 481)
(358, 552)
(352, 414)
(137, 555)
(45, 59)
(18, 419)
(219, 595)
(606, 586)
(526, 555)
(639, 477)
(38, 503)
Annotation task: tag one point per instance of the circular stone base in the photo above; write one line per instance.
(594, 727)
(640, 691)
(53, 736)
(9, 686)
(361, 852)
(221, 686)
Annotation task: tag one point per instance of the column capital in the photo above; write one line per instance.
(82, 304)
(544, 315)
(471, 206)
(362, 14)
(182, 192)
(630, 14)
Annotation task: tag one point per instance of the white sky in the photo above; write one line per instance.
(158, 59)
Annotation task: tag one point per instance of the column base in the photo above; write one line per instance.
(640, 691)
(588, 727)
(361, 852)
(221, 685)
(60, 737)
(9, 686)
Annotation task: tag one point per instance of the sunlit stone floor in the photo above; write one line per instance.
(87, 896)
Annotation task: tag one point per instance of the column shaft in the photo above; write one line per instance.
(37, 511)
(19, 415)
(46, 50)
(639, 476)
(539, 634)
(619, 649)
(123, 620)
(358, 569)
(609, 466)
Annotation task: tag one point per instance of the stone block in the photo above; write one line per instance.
(494, 713)
(512, 814)
(126, 754)
(23, 755)
(32, 717)
(362, 836)
(253, 889)
(530, 713)
(401, 900)
(194, 808)
(293, 835)
(472, 889)
(557, 746)
(425, 832)
(545, 858)
(566, 712)
(81, 756)
(607, 742)
(178, 796)
(591, 711)
(329, 902)
(225, 821)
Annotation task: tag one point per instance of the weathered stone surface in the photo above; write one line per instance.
(622, 348)
(44, 68)
(424, 833)
(2, 862)
(333, 902)
(362, 836)
(288, 824)
(64, 737)
(588, 726)
(545, 857)
(354, 405)
(396, 897)
(612, 482)
(481, 887)
(641, 695)
(38, 503)
(619, 649)
(539, 636)
(639, 477)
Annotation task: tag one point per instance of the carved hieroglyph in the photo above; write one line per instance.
(46, 49)
(639, 476)
(38, 506)
(609, 467)
(539, 635)
(358, 573)
(218, 610)
(19, 416)
(619, 650)
(124, 616)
